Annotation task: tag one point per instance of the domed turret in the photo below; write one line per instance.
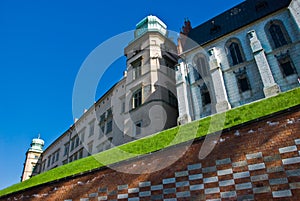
(37, 145)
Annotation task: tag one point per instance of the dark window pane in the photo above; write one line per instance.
(287, 68)
(244, 86)
(207, 99)
(277, 36)
(205, 95)
(235, 53)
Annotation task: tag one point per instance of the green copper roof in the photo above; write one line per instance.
(150, 23)
(37, 145)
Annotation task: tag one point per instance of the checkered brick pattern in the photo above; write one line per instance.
(275, 175)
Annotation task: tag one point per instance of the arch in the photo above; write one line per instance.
(200, 61)
(277, 34)
(235, 52)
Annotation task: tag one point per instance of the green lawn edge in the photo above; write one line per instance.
(165, 139)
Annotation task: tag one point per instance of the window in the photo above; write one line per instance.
(109, 121)
(53, 158)
(137, 68)
(277, 34)
(77, 141)
(81, 139)
(137, 99)
(49, 161)
(242, 80)
(123, 106)
(92, 128)
(260, 6)
(90, 148)
(80, 153)
(214, 28)
(102, 122)
(65, 162)
(286, 65)
(172, 99)
(243, 83)
(67, 146)
(197, 75)
(43, 165)
(205, 95)
(202, 67)
(57, 155)
(235, 53)
(138, 127)
(75, 157)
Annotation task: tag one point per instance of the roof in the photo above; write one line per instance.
(233, 19)
(150, 23)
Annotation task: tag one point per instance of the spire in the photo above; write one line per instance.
(186, 28)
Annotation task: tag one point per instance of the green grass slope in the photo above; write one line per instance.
(165, 139)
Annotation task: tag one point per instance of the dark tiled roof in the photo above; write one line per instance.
(234, 18)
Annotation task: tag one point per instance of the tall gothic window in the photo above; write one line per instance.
(277, 34)
(235, 52)
(201, 69)
(205, 95)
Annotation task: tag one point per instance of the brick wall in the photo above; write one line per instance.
(257, 161)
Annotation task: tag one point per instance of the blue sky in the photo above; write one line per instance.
(42, 47)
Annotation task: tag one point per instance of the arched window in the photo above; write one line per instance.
(235, 52)
(202, 67)
(277, 34)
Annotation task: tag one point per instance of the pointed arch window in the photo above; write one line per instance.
(277, 34)
(235, 53)
(201, 69)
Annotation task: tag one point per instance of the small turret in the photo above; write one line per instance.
(150, 23)
(37, 145)
(32, 162)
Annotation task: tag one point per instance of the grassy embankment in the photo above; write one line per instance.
(165, 139)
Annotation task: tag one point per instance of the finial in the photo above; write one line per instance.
(39, 136)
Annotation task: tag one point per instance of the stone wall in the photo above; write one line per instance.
(256, 161)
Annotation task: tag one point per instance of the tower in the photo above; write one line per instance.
(151, 103)
(31, 165)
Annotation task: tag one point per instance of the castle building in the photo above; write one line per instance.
(143, 102)
(245, 54)
(249, 52)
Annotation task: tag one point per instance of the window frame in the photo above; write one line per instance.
(204, 91)
(137, 98)
(137, 68)
(284, 59)
(234, 45)
(272, 38)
